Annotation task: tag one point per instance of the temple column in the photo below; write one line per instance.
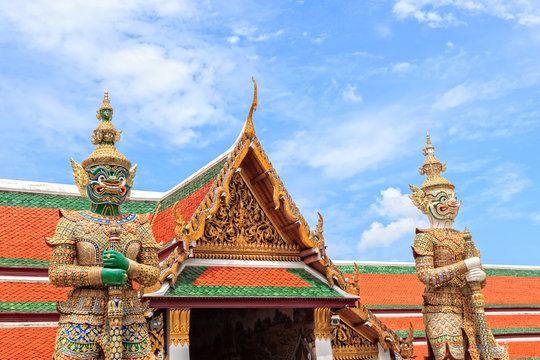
(179, 334)
(323, 335)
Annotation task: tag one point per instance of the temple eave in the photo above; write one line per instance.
(247, 302)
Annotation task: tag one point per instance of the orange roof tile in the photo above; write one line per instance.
(24, 237)
(163, 226)
(16, 291)
(525, 349)
(494, 322)
(249, 277)
(400, 289)
(516, 350)
(511, 290)
(389, 289)
(27, 343)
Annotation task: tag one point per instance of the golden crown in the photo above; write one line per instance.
(433, 168)
(105, 136)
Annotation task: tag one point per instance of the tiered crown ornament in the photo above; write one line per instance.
(435, 185)
(104, 176)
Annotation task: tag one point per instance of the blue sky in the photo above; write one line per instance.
(347, 91)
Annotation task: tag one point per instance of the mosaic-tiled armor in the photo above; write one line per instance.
(451, 315)
(100, 253)
(440, 255)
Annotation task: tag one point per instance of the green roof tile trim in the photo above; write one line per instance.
(422, 333)
(27, 306)
(378, 269)
(193, 186)
(23, 262)
(185, 287)
(411, 270)
(66, 202)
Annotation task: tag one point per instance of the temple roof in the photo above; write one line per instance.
(241, 284)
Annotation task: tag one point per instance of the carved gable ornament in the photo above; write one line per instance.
(240, 229)
(347, 343)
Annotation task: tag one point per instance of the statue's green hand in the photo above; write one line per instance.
(113, 276)
(114, 259)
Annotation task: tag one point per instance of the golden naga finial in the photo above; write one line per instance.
(249, 129)
(178, 220)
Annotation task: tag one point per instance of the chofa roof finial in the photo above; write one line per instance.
(249, 129)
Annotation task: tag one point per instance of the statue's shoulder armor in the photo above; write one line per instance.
(142, 219)
(71, 215)
(65, 228)
(423, 243)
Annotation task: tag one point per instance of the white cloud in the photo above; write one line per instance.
(404, 218)
(394, 205)
(383, 30)
(437, 13)
(529, 19)
(355, 142)
(319, 39)
(450, 44)
(411, 8)
(349, 94)
(402, 67)
(233, 39)
(470, 91)
(250, 33)
(504, 182)
(384, 235)
(167, 78)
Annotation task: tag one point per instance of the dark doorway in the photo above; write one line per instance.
(246, 334)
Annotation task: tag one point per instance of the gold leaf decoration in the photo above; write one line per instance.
(242, 221)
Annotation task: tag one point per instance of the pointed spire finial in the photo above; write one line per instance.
(433, 168)
(429, 149)
(106, 104)
(249, 129)
(105, 137)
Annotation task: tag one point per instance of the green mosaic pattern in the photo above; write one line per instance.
(411, 270)
(192, 187)
(23, 262)
(67, 202)
(378, 269)
(25, 306)
(185, 287)
(422, 333)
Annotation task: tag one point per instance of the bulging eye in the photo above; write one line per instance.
(101, 178)
(122, 179)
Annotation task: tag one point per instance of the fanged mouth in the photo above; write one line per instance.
(447, 208)
(111, 189)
